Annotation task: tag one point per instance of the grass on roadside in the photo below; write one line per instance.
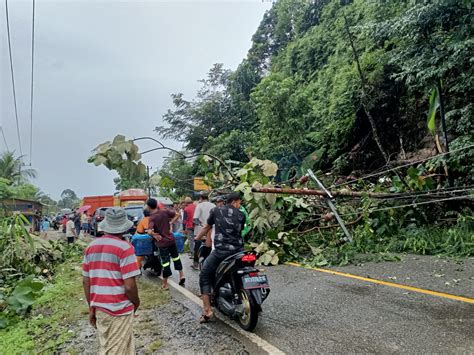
(56, 309)
(151, 294)
(54, 317)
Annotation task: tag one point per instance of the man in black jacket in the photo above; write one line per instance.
(228, 222)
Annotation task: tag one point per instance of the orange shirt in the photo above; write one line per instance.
(143, 225)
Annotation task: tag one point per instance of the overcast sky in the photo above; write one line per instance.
(108, 67)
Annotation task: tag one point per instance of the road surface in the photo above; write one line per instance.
(314, 312)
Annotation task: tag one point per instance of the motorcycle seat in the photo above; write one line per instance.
(227, 262)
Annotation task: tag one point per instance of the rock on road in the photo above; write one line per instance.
(313, 312)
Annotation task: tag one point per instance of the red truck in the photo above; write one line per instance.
(123, 199)
(98, 201)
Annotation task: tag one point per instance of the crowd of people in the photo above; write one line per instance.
(74, 223)
(110, 267)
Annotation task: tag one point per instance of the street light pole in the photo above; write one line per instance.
(148, 180)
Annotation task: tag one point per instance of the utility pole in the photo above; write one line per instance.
(148, 181)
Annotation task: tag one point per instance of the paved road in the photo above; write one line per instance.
(312, 312)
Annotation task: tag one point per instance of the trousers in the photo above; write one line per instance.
(208, 271)
(190, 232)
(168, 254)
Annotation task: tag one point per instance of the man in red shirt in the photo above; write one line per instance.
(109, 271)
(188, 221)
(159, 227)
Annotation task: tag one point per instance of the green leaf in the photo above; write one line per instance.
(118, 139)
(282, 235)
(300, 203)
(254, 213)
(262, 248)
(271, 198)
(269, 168)
(99, 160)
(413, 173)
(323, 262)
(248, 195)
(124, 147)
(3, 322)
(266, 258)
(274, 217)
(275, 260)
(102, 148)
(434, 104)
(242, 172)
(315, 251)
(23, 295)
(242, 187)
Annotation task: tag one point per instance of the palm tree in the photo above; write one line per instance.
(13, 169)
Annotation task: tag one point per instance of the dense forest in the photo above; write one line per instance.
(346, 86)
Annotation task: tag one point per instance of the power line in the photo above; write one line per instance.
(4, 139)
(413, 205)
(401, 166)
(13, 78)
(32, 77)
(427, 193)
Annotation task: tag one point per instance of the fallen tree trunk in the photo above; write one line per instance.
(349, 193)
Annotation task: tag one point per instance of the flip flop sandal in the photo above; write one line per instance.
(182, 281)
(165, 288)
(205, 319)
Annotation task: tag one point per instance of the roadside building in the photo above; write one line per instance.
(32, 210)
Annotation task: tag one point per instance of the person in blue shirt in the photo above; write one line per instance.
(45, 225)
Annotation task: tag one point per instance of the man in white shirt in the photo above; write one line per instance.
(201, 214)
(70, 229)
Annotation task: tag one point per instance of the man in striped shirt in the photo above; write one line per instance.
(109, 271)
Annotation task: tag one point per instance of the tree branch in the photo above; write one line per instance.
(163, 147)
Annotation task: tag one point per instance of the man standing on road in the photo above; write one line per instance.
(159, 227)
(70, 230)
(228, 222)
(77, 223)
(188, 215)
(85, 222)
(201, 214)
(109, 271)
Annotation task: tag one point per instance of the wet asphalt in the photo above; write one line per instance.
(312, 312)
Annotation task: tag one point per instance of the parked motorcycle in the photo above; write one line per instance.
(240, 289)
(153, 262)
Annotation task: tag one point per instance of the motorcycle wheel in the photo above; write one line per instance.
(248, 320)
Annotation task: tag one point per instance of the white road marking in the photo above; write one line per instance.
(259, 342)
